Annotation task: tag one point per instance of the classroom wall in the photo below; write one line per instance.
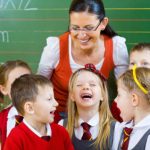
(25, 24)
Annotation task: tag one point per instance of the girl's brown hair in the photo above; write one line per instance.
(8, 66)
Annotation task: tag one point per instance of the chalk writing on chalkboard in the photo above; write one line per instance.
(19, 4)
(4, 36)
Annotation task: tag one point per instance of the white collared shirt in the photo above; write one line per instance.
(11, 119)
(48, 129)
(138, 131)
(94, 130)
(93, 122)
(11, 123)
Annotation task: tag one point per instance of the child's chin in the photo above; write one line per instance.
(126, 119)
(51, 120)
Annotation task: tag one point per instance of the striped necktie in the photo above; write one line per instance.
(86, 131)
(18, 119)
(126, 132)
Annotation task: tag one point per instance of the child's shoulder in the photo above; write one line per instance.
(58, 129)
(16, 134)
(5, 111)
(61, 136)
(55, 126)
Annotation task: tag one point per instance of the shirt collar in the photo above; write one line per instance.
(144, 122)
(12, 112)
(49, 132)
(92, 122)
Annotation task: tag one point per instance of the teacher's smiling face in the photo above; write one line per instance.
(85, 29)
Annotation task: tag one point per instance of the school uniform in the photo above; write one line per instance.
(139, 137)
(80, 144)
(24, 137)
(7, 123)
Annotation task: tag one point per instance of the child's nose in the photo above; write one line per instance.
(116, 99)
(139, 64)
(86, 87)
(55, 103)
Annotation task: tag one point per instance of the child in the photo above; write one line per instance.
(9, 71)
(33, 97)
(139, 55)
(134, 102)
(88, 102)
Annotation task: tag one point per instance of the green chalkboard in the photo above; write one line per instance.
(25, 24)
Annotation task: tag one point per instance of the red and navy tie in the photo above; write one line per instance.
(126, 132)
(86, 131)
(18, 119)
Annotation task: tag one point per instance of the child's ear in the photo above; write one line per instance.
(3, 90)
(28, 107)
(101, 99)
(135, 99)
(72, 97)
(104, 23)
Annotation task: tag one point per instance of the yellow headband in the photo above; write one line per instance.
(136, 80)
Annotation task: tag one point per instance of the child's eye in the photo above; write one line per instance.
(132, 63)
(92, 84)
(49, 99)
(79, 85)
(145, 63)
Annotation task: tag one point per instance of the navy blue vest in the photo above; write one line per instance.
(89, 145)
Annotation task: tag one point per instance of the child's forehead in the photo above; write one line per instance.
(86, 75)
(45, 90)
(16, 73)
(141, 54)
(19, 70)
(44, 87)
(144, 50)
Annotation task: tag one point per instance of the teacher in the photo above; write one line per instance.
(90, 39)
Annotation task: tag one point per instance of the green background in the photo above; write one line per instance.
(25, 25)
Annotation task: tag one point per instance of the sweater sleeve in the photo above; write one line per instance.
(50, 57)
(120, 55)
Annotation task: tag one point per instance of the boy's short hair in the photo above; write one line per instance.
(26, 88)
(140, 47)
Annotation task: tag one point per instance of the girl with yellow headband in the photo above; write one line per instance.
(133, 100)
(139, 55)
